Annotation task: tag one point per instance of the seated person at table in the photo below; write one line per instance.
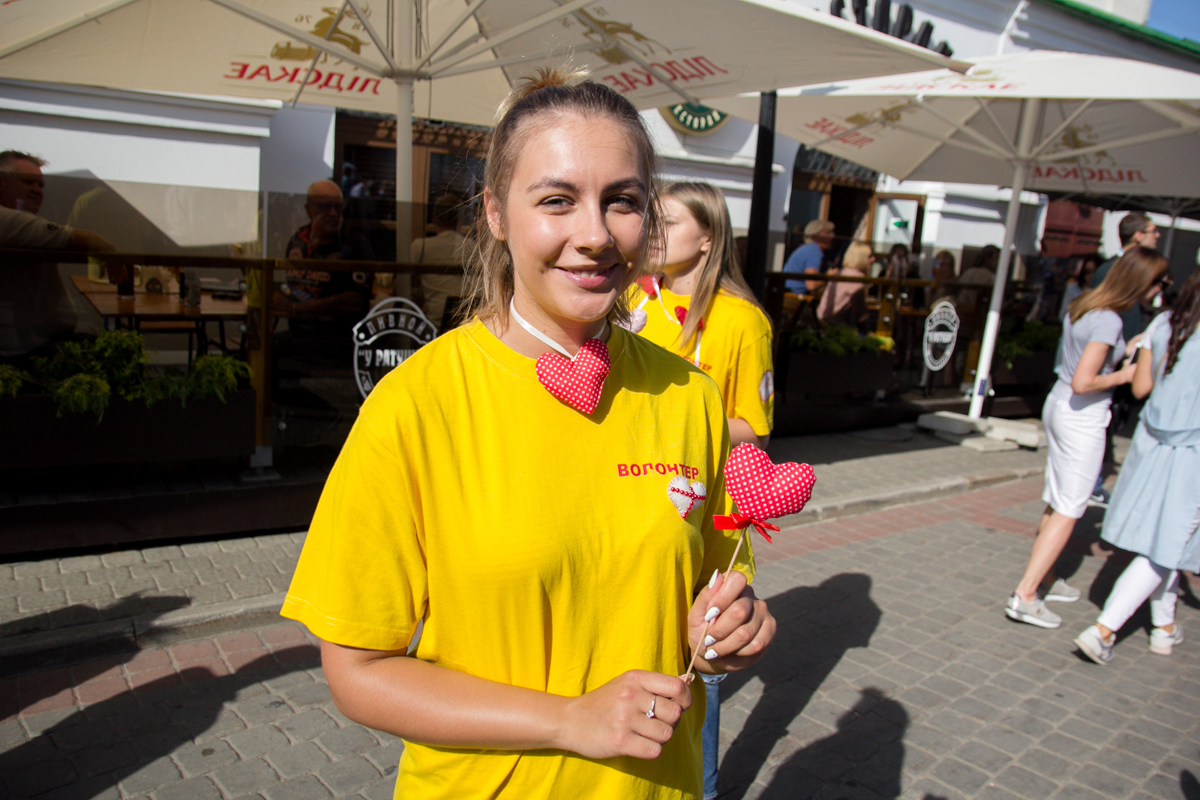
(809, 257)
(35, 309)
(446, 247)
(323, 305)
(844, 303)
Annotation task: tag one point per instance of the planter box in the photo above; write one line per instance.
(1035, 369)
(825, 374)
(32, 436)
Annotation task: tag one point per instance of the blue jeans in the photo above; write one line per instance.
(710, 737)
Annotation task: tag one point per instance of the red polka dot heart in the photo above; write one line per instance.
(577, 382)
(765, 490)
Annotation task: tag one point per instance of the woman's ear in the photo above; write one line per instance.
(492, 209)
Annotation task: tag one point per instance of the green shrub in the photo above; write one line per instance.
(836, 339)
(1032, 337)
(11, 380)
(82, 394)
(82, 376)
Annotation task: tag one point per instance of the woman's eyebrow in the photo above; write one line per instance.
(564, 185)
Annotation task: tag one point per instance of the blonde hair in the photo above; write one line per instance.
(549, 93)
(1125, 284)
(720, 271)
(858, 256)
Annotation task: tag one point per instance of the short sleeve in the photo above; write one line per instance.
(22, 229)
(754, 385)
(1106, 328)
(361, 580)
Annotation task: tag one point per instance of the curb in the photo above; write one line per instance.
(147, 629)
(931, 490)
(213, 618)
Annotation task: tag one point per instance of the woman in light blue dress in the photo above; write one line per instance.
(1155, 508)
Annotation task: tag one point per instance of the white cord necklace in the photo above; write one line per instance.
(667, 314)
(546, 340)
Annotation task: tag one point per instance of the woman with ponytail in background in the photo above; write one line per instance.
(701, 308)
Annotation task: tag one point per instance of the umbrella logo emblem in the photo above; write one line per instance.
(1079, 136)
(611, 33)
(690, 118)
(286, 51)
(941, 329)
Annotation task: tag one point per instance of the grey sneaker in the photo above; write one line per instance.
(1035, 612)
(1092, 645)
(1161, 642)
(1060, 592)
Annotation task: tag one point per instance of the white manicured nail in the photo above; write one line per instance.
(712, 614)
(710, 654)
(713, 580)
(709, 641)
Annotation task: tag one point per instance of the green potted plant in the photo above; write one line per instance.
(834, 360)
(1025, 356)
(97, 402)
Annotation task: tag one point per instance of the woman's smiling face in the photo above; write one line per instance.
(573, 220)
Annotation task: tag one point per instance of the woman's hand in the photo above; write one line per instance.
(612, 720)
(739, 635)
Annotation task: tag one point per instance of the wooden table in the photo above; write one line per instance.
(160, 308)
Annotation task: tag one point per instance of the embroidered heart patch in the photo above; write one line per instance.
(765, 490)
(577, 382)
(685, 496)
(637, 321)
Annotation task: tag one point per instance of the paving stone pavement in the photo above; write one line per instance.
(176, 584)
(894, 674)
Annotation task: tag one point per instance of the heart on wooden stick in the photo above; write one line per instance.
(765, 490)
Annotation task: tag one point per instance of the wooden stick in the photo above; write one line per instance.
(687, 676)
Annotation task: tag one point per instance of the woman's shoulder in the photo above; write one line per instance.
(740, 307)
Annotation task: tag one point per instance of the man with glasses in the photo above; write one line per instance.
(322, 306)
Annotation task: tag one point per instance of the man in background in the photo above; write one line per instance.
(1135, 230)
(35, 309)
(810, 256)
(445, 247)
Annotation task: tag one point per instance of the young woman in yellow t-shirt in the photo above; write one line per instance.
(546, 517)
(729, 338)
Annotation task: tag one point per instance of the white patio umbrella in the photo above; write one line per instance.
(447, 59)
(1040, 121)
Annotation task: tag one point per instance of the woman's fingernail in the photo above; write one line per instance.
(710, 654)
(712, 614)
(713, 580)
(709, 641)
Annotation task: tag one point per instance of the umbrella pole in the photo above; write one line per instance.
(1171, 235)
(992, 328)
(403, 50)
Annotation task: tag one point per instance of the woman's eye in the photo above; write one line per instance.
(626, 202)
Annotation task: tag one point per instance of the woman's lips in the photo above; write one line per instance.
(588, 278)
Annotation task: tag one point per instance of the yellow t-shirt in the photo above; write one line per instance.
(539, 545)
(735, 350)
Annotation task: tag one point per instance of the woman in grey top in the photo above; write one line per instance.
(1076, 415)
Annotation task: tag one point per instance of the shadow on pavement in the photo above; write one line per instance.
(95, 749)
(868, 735)
(88, 660)
(817, 625)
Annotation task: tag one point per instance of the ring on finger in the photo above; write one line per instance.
(653, 700)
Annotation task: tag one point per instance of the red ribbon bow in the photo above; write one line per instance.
(736, 522)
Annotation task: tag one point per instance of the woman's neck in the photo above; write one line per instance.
(569, 335)
(682, 280)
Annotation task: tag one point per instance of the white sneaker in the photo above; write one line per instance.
(1035, 612)
(1092, 645)
(1059, 591)
(1161, 642)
